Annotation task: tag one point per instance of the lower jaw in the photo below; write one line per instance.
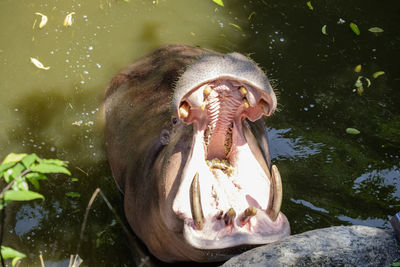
(215, 235)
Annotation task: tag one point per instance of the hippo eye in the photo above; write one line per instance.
(174, 120)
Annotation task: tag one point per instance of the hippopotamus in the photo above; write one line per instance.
(186, 142)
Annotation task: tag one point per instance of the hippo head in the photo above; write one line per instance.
(218, 189)
(188, 149)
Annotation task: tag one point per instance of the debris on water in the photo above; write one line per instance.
(39, 64)
(323, 30)
(43, 20)
(68, 19)
(77, 123)
(353, 131)
(377, 74)
(357, 68)
(341, 21)
(354, 28)
(375, 30)
(219, 2)
(309, 5)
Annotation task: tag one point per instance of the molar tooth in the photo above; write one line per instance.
(243, 90)
(184, 110)
(203, 106)
(274, 209)
(246, 103)
(207, 90)
(195, 203)
(229, 216)
(247, 214)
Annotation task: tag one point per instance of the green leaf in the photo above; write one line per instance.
(49, 168)
(377, 74)
(72, 194)
(352, 131)
(219, 2)
(74, 179)
(54, 162)
(29, 160)
(20, 185)
(375, 29)
(396, 264)
(6, 166)
(309, 5)
(12, 195)
(324, 30)
(34, 178)
(9, 253)
(17, 170)
(12, 157)
(354, 28)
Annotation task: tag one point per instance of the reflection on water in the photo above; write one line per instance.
(329, 177)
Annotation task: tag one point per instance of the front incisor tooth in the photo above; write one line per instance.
(207, 90)
(243, 90)
(229, 216)
(184, 110)
(248, 214)
(246, 103)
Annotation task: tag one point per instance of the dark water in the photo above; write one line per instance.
(329, 177)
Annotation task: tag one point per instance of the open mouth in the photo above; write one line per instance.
(228, 196)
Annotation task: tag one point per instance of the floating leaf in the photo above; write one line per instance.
(324, 30)
(309, 5)
(49, 168)
(368, 82)
(360, 90)
(352, 131)
(219, 2)
(74, 179)
(72, 194)
(68, 19)
(375, 29)
(251, 15)
(38, 64)
(43, 20)
(358, 83)
(12, 195)
(54, 162)
(377, 74)
(354, 28)
(357, 68)
(236, 26)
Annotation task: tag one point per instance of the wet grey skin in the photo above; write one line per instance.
(186, 142)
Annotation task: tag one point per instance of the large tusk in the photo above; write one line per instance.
(195, 203)
(274, 209)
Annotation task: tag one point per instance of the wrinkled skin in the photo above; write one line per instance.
(170, 120)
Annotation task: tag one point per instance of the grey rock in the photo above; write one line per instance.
(333, 246)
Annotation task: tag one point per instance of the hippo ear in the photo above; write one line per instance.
(164, 137)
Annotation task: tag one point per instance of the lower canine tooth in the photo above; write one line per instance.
(274, 209)
(229, 216)
(195, 203)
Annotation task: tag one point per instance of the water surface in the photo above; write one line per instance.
(329, 177)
